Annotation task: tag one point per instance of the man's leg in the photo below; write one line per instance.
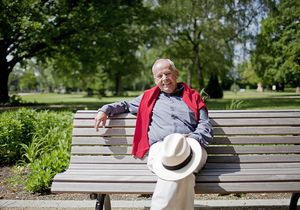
(174, 195)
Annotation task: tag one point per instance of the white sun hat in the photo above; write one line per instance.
(179, 156)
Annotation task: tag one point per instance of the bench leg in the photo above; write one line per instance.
(103, 200)
(294, 201)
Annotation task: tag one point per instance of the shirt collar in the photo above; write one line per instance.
(178, 91)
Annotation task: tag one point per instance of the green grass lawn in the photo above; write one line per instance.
(250, 99)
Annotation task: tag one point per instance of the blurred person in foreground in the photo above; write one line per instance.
(173, 127)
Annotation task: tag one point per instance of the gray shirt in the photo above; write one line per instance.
(170, 115)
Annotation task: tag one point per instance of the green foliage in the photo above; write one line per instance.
(39, 140)
(16, 128)
(28, 81)
(276, 58)
(44, 169)
(235, 88)
(204, 95)
(15, 100)
(235, 104)
(201, 34)
(248, 75)
(80, 35)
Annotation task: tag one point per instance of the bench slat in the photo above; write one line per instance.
(215, 122)
(109, 123)
(259, 158)
(200, 187)
(103, 132)
(103, 188)
(215, 114)
(204, 172)
(115, 150)
(95, 140)
(249, 171)
(153, 178)
(119, 166)
(217, 131)
(254, 149)
(211, 159)
(106, 159)
(257, 130)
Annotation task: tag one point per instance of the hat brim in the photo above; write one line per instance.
(181, 173)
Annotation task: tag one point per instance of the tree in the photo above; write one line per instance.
(203, 33)
(29, 28)
(28, 81)
(214, 89)
(277, 56)
(248, 75)
(80, 30)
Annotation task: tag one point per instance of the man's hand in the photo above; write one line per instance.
(101, 117)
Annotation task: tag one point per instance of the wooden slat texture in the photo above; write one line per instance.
(217, 114)
(220, 166)
(95, 140)
(258, 158)
(257, 131)
(253, 151)
(211, 159)
(109, 123)
(105, 159)
(257, 140)
(203, 172)
(217, 131)
(152, 179)
(91, 187)
(103, 132)
(278, 115)
(215, 122)
(254, 187)
(117, 150)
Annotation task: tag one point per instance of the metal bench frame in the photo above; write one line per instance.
(254, 151)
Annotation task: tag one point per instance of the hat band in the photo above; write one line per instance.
(181, 165)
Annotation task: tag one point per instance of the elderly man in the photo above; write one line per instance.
(173, 128)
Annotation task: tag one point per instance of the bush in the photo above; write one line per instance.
(40, 141)
(16, 128)
(214, 88)
(44, 169)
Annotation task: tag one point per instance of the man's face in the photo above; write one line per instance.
(164, 77)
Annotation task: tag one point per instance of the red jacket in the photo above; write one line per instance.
(141, 140)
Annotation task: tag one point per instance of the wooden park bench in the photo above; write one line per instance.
(254, 151)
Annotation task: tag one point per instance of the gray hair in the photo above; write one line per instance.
(173, 67)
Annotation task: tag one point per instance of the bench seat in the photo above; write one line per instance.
(254, 151)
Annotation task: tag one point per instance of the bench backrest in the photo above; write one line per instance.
(240, 137)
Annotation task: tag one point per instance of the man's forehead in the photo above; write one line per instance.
(161, 65)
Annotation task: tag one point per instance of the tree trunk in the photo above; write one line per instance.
(4, 73)
(197, 65)
(4, 83)
(189, 77)
(118, 87)
(199, 73)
